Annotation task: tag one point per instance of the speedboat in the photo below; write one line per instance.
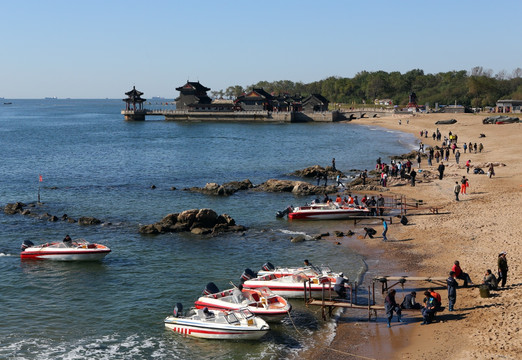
(77, 250)
(322, 270)
(216, 324)
(331, 211)
(261, 301)
(291, 286)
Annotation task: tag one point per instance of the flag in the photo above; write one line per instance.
(41, 179)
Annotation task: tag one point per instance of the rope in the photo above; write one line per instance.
(350, 354)
(292, 320)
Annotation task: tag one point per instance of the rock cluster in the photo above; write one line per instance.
(197, 221)
(223, 190)
(316, 170)
(21, 208)
(296, 187)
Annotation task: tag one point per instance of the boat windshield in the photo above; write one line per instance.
(232, 318)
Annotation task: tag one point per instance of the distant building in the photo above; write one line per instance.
(315, 103)
(134, 101)
(454, 109)
(383, 102)
(509, 106)
(192, 95)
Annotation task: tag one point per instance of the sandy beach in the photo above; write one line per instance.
(474, 230)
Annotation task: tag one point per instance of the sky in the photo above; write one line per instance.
(101, 49)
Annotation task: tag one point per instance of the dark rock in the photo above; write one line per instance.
(298, 239)
(197, 221)
(446, 122)
(350, 233)
(338, 233)
(12, 209)
(88, 220)
(316, 170)
(172, 188)
(223, 190)
(26, 212)
(53, 218)
(296, 187)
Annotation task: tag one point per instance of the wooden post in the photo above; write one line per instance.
(304, 288)
(369, 306)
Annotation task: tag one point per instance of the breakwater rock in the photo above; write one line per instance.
(223, 190)
(31, 210)
(316, 170)
(197, 221)
(296, 187)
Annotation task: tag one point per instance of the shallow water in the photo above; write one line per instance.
(95, 164)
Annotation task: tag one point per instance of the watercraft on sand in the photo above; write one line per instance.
(261, 301)
(77, 250)
(215, 324)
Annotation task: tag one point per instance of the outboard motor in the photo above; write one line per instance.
(178, 310)
(247, 275)
(26, 244)
(281, 214)
(268, 267)
(211, 288)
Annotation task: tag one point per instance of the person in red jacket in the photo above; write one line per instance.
(461, 275)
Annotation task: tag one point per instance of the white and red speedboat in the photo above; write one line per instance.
(332, 211)
(215, 324)
(322, 270)
(292, 286)
(76, 250)
(261, 301)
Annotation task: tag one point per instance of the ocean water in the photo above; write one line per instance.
(93, 163)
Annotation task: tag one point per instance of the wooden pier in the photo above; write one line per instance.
(328, 304)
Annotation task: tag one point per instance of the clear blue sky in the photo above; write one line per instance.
(99, 49)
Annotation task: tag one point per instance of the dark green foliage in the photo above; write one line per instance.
(477, 88)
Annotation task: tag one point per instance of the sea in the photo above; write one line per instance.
(127, 174)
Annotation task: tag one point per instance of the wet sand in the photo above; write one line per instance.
(474, 230)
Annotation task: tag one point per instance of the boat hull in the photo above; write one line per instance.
(210, 331)
(58, 252)
(289, 290)
(270, 315)
(321, 213)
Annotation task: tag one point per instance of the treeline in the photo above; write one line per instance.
(476, 88)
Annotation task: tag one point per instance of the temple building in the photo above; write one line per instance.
(134, 101)
(315, 103)
(193, 96)
(255, 100)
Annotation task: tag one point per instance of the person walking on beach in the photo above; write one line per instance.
(457, 157)
(413, 175)
(456, 190)
(464, 185)
(390, 305)
(384, 230)
(475, 147)
(468, 165)
(441, 170)
(502, 267)
(437, 156)
(480, 147)
(491, 170)
(380, 204)
(452, 290)
(465, 146)
(419, 159)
